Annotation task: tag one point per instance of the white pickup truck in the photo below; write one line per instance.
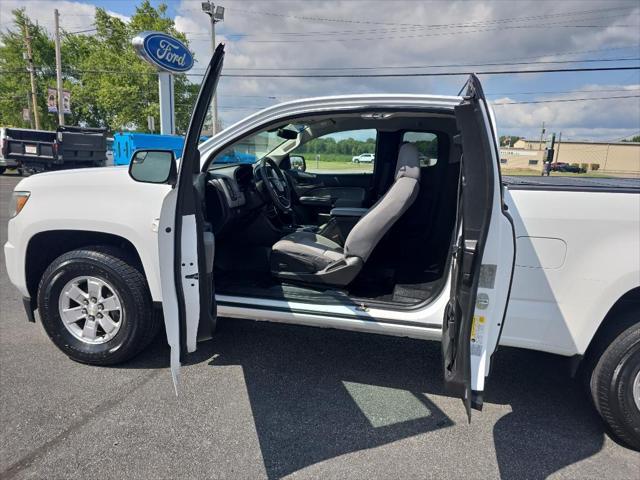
(445, 251)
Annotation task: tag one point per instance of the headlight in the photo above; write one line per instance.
(18, 201)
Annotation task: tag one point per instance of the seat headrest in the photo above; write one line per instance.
(408, 162)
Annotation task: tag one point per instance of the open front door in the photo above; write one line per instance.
(185, 248)
(483, 255)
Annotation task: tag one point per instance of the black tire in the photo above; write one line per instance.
(140, 322)
(2, 170)
(611, 382)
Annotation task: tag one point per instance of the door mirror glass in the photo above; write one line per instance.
(298, 163)
(153, 166)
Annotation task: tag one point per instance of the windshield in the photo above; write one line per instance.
(255, 147)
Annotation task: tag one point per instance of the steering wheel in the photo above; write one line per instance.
(276, 184)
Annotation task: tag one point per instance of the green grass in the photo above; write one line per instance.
(327, 157)
(329, 165)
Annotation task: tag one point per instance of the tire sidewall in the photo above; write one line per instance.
(611, 382)
(621, 391)
(56, 277)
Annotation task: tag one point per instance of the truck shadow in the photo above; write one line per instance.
(317, 394)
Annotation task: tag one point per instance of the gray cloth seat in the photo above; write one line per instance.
(312, 258)
(305, 252)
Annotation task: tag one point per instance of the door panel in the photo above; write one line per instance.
(483, 256)
(318, 193)
(187, 284)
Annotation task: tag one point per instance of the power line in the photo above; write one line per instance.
(440, 34)
(403, 28)
(389, 31)
(94, 29)
(364, 75)
(565, 91)
(429, 74)
(565, 100)
(421, 25)
(412, 67)
(502, 62)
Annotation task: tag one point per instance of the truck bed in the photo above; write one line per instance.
(572, 183)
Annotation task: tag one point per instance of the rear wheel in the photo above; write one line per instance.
(96, 306)
(615, 384)
(2, 170)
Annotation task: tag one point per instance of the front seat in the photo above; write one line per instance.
(311, 258)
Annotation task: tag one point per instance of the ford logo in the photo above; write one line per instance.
(163, 51)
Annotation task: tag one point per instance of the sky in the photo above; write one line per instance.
(309, 36)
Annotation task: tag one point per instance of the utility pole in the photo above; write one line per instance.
(558, 149)
(29, 109)
(216, 14)
(56, 15)
(34, 98)
(541, 137)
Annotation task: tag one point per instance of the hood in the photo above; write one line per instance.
(85, 177)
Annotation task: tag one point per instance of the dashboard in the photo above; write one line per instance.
(231, 194)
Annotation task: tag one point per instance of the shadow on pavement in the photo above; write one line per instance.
(552, 423)
(317, 394)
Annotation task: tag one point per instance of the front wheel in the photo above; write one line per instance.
(615, 385)
(96, 307)
(2, 170)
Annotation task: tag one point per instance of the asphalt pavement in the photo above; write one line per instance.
(273, 401)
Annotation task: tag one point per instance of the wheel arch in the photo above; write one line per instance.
(611, 326)
(44, 247)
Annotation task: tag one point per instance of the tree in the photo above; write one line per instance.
(508, 140)
(632, 139)
(110, 85)
(15, 86)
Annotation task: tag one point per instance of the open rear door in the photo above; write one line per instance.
(185, 254)
(483, 254)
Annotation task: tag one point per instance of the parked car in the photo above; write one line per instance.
(566, 167)
(472, 264)
(67, 147)
(6, 163)
(364, 158)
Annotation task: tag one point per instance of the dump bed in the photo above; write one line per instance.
(67, 147)
(24, 145)
(82, 147)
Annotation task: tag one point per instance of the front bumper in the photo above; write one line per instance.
(6, 163)
(14, 261)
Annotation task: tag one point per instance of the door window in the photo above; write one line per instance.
(350, 151)
(427, 144)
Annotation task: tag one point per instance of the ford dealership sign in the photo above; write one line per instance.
(163, 51)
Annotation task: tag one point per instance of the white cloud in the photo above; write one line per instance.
(427, 40)
(74, 16)
(597, 119)
(405, 45)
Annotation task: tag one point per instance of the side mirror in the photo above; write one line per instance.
(153, 166)
(298, 163)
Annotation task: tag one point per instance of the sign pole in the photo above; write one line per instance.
(167, 114)
(56, 17)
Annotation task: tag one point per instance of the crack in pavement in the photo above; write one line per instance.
(26, 461)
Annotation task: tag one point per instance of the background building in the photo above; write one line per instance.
(621, 158)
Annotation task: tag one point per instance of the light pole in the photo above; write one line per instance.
(216, 14)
